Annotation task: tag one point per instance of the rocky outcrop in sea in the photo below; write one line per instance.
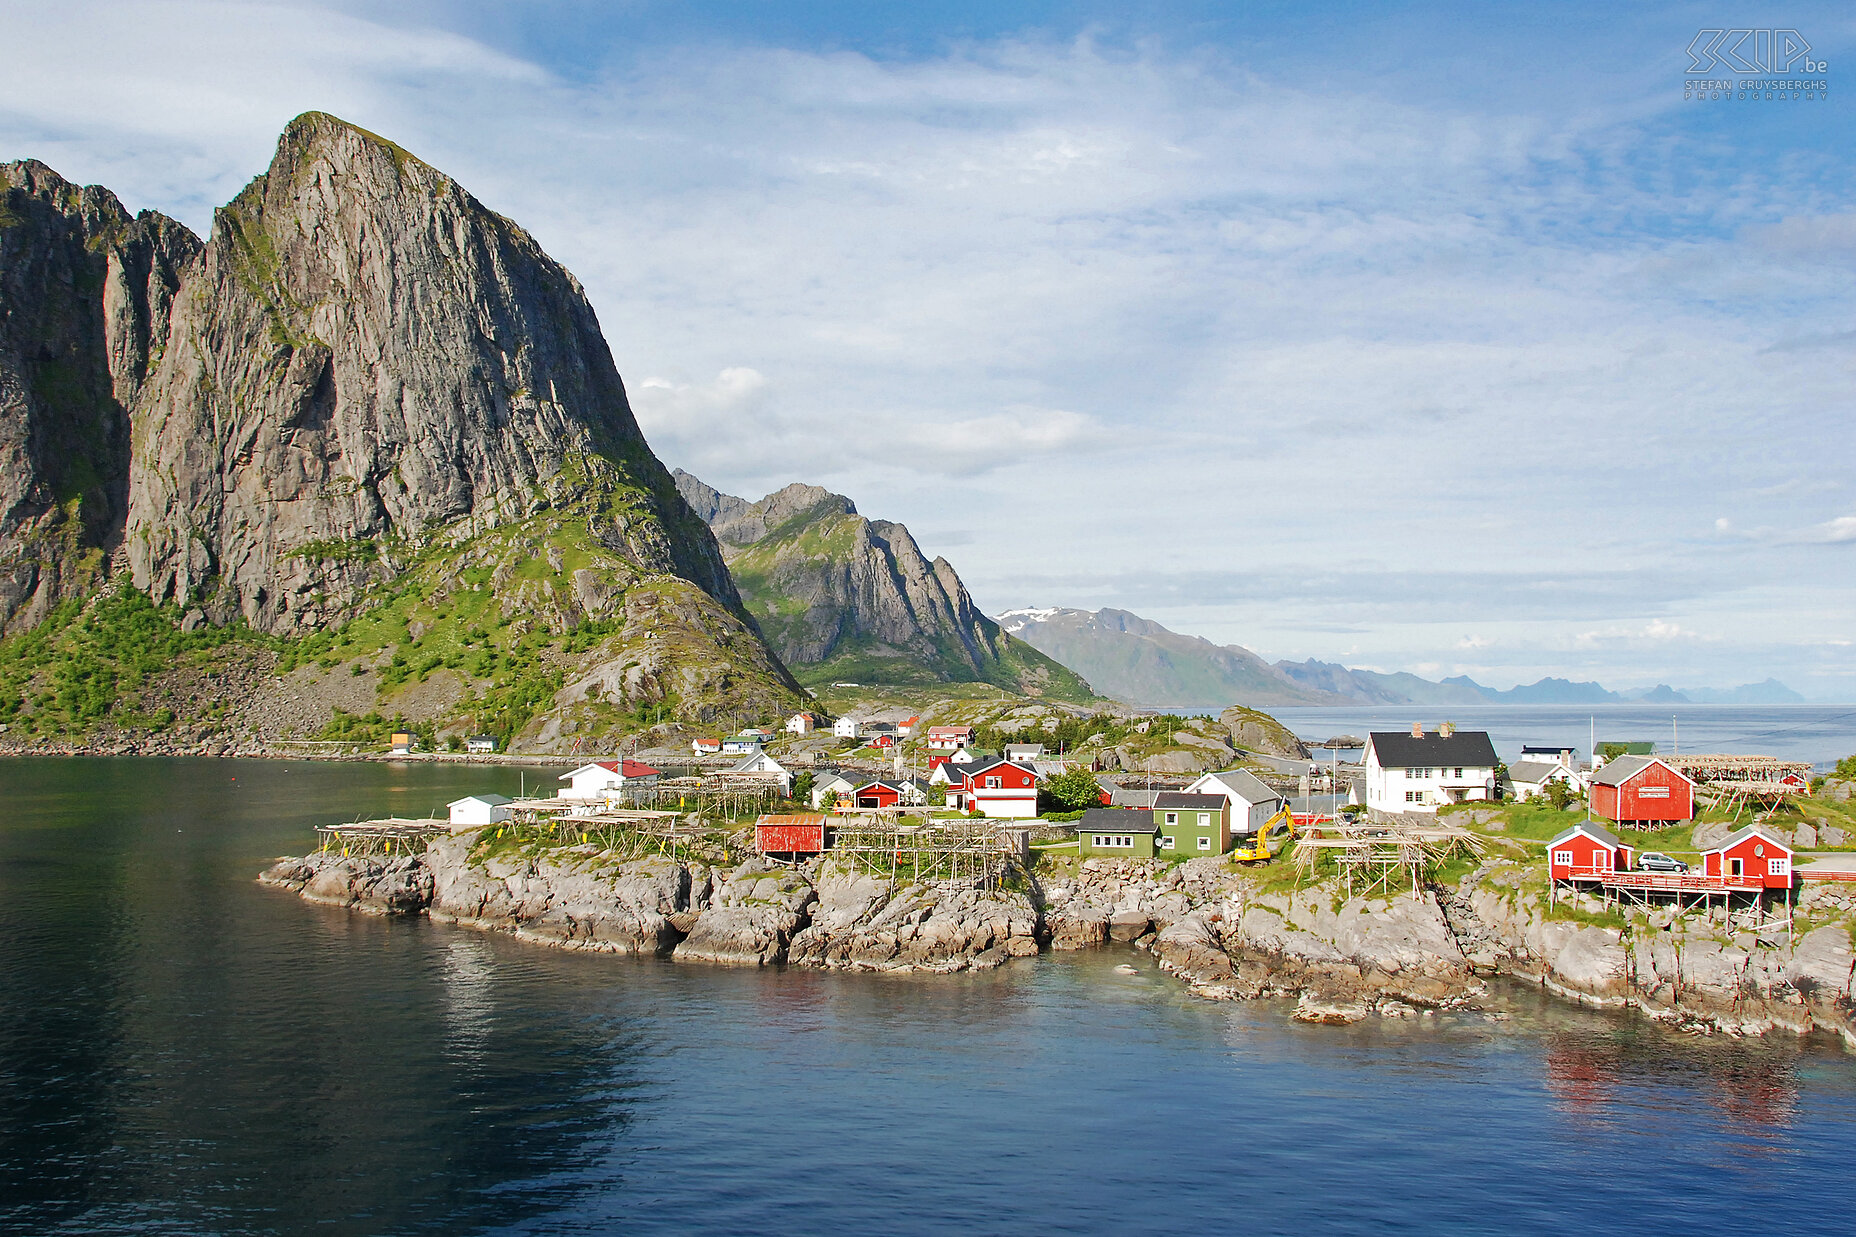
(1340, 958)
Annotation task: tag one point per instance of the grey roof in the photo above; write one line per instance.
(1180, 799)
(1247, 786)
(1588, 826)
(1402, 749)
(1616, 772)
(491, 800)
(1533, 770)
(1126, 797)
(1750, 831)
(1115, 818)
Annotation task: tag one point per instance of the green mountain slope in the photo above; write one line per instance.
(844, 598)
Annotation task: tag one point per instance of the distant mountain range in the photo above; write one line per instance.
(1138, 661)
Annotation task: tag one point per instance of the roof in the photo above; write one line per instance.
(1178, 799)
(624, 768)
(1114, 818)
(1025, 749)
(1554, 749)
(983, 765)
(1402, 749)
(790, 818)
(1751, 831)
(1591, 829)
(751, 763)
(884, 782)
(1246, 785)
(489, 800)
(479, 738)
(1126, 797)
(1617, 772)
(949, 731)
(1534, 770)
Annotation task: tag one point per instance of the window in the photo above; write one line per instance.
(1166, 843)
(1205, 820)
(1205, 843)
(1776, 867)
(1172, 818)
(1562, 859)
(1459, 774)
(992, 783)
(1112, 841)
(1414, 796)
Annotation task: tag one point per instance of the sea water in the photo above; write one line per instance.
(183, 1051)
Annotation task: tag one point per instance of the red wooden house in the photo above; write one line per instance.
(1586, 851)
(1751, 859)
(884, 741)
(1642, 790)
(997, 788)
(793, 835)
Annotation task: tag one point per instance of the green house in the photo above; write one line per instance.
(1191, 825)
(1116, 833)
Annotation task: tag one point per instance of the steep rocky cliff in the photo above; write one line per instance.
(842, 596)
(370, 417)
(85, 294)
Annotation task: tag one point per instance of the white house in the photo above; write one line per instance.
(760, 762)
(1426, 769)
(1024, 752)
(1252, 800)
(848, 728)
(1530, 777)
(826, 789)
(705, 747)
(480, 744)
(801, 723)
(476, 811)
(603, 778)
(740, 744)
(949, 738)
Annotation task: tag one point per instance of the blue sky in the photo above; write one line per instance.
(1427, 337)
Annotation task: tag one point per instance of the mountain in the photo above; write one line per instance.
(85, 295)
(840, 596)
(1769, 692)
(364, 394)
(1373, 687)
(1138, 661)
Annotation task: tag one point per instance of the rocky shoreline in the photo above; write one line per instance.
(1341, 959)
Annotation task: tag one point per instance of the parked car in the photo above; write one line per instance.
(1657, 861)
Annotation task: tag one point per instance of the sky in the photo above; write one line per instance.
(1441, 338)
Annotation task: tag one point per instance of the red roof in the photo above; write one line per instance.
(627, 768)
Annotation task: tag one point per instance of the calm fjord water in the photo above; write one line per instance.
(182, 1051)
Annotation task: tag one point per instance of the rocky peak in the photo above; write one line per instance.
(85, 296)
(376, 364)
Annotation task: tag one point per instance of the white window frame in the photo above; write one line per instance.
(1205, 842)
(1166, 843)
(1172, 818)
(1562, 859)
(993, 783)
(1778, 867)
(1205, 820)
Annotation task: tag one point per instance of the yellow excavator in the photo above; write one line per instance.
(1275, 835)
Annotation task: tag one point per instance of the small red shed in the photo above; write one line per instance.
(1642, 790)
(1586, 851)
(883, 741)
(878, 794)
(1751, 859)
(1797, 781)
(796, 834)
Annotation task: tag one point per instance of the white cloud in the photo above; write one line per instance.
(1227, 322)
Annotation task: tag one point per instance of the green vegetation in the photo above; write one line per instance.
(87, 664)
(1073, 791)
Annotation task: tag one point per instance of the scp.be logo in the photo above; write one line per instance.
(1752, 51)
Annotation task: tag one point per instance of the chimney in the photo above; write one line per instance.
(1447, 729)
(1417, 730)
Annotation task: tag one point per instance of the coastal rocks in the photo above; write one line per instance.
(752, 917)
(947, 926)
(572, 898)
(391, 886)
(1310, 1008)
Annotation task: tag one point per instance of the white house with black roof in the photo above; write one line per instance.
(1424, 770)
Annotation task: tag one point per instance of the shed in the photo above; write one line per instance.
(475, 811)
(1751, 859)
(791, 834)
(878, 794)
(1252, 800)
(1586, 851)
(1642, 790)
